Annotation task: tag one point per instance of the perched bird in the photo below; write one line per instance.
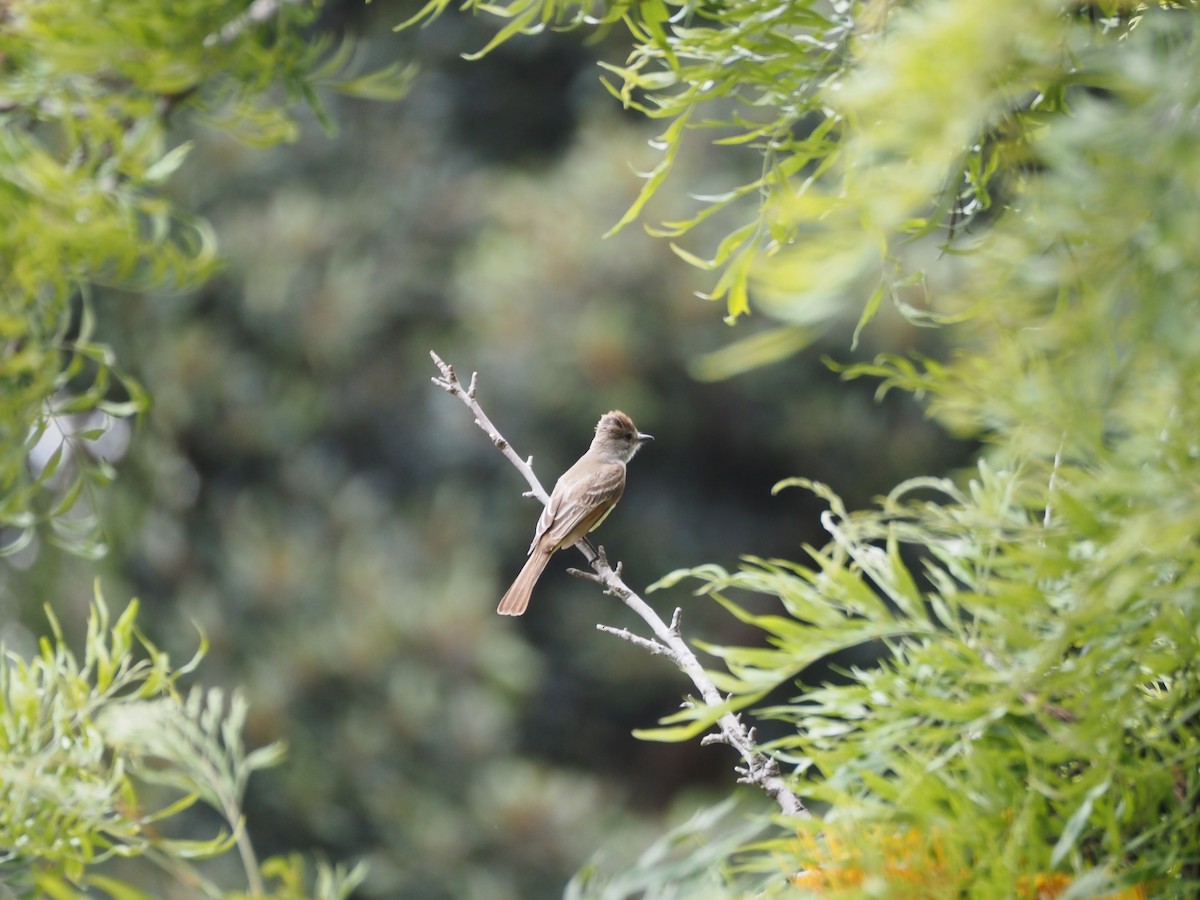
(582, 498)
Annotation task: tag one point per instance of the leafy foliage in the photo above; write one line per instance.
(104, 760)
(85, 746)
(688, 861)
(852, 155)
(85, 154)
(746, 72)
(1039, 698)
(1031, 725)
(1036, 707)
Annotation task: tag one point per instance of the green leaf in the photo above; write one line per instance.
(166, 166)
(752, 352)
(1078, 821)
(670, 140)
(117, 890)
(524, 18)
(868, 313)
(700, 718)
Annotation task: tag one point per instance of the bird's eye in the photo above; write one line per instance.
(627, 436)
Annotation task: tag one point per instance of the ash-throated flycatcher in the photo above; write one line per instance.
(581, 499)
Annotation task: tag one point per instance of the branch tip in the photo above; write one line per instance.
(586, 576)
(652, 646)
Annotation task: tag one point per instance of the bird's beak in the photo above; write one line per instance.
(642, 438)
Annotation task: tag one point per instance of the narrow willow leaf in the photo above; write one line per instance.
(523, 16)
(68, 499)
(752, 352)
(165, 167)
(712, 574)
(1078, 821)
(670, 139)
(868, 313)
(901, 588)
(180, 805)
(265, 757)
(117, 890)
(222, 843)
(700, 718)
(425, 15)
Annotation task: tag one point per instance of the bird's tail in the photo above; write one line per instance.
(516, 598)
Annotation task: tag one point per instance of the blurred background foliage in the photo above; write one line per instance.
(341, 532)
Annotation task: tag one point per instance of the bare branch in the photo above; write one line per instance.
(449, 382)
(756, 767)
(645, 643)
(587, 576)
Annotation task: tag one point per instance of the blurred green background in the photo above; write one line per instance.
(340, 530)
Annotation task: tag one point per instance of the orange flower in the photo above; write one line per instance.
(914, 868)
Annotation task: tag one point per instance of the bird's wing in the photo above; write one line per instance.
(576, 508)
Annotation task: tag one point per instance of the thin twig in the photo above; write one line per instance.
(637, 640)
(756, 767)
(232, 810)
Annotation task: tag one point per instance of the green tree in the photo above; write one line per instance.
(1021, 177)
(85, 101)
(101, 757)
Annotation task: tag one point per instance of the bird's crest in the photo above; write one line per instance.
(616, 422)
